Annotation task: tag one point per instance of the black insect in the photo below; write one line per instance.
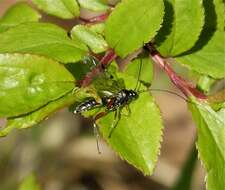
(112, 101)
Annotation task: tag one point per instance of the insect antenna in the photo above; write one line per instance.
(166, 91)
(138, 84)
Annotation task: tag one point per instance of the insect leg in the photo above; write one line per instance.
(96, 133)
(116, 120)
(128, 109)
(96, 129)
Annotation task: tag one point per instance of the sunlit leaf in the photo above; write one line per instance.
(92, 39)
(211, 144)
(182, 26)
(133, 23)
(207, 56)
(93, 5)
(19, 13)
(28, 82)
(137, 135)
(41, 39)
(61, 8)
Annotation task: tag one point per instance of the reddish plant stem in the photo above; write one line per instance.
(104, 62)
(186, 87)
(96, 19)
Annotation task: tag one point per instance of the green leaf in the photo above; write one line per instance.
(137, 137)
(41, 39)
(66, 9)
(133, 23)
(205, 83)
(98, 28)
(37, 116)
(29, 183)
(182, 26)
(211, 144)
(146, 72)
(92, 39)
(93, 5)
(207, 56)
(19, 13)
(28, 82)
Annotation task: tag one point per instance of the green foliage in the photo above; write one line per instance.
(93, 5)
(182, 26)
(137, 136)
(41, 39)
(207, 56)
(31, 82)
(17, 14)
(89, 37)
(132, 24)
(146, 69)
(61, 8)
(35, 117)
(211, 143)
(29, 183)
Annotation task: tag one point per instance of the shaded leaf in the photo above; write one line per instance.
(42, 39)
(19, 13)
(93, 5)
(28, 82)
(61, 8)
(211, 144)
(133, 23)
(207, 56)
(92, 39)
(182, 26)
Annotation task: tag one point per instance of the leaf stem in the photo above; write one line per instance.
(186, 87)
(109, 56)
(96, 19)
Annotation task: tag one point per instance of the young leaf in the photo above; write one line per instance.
(66, 9)
(29, 183)
(93, 5)
(19, 13)
(41, 39)
(207, 56)
(28, 82)
(137, 137)
(37, 116)
(132, 23)
(92, 39)
(182, 26)
(211, 144)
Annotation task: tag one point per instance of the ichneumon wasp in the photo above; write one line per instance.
(113, 98)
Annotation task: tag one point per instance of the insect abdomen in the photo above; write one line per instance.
(86, 105)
